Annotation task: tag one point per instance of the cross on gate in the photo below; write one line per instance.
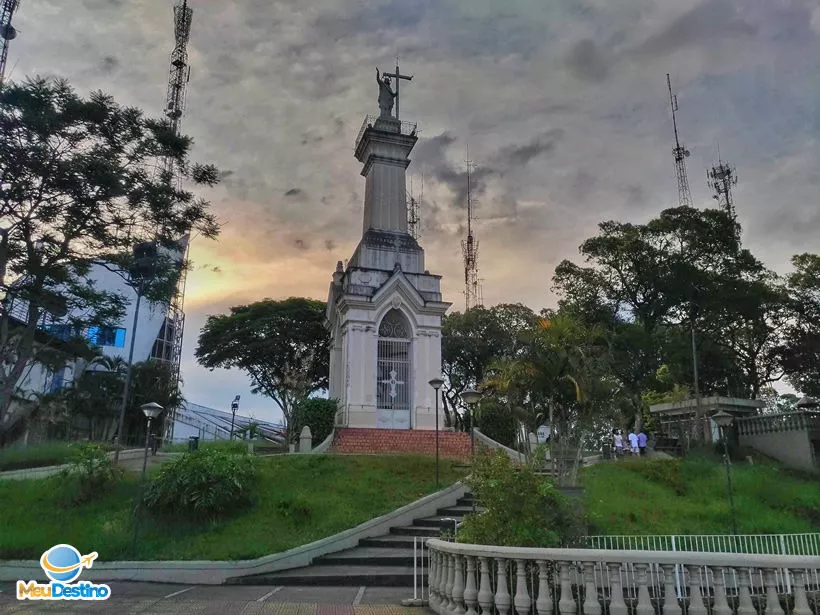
(398, 77)
(393, 383)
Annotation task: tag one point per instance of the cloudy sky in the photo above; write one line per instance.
(563, 104)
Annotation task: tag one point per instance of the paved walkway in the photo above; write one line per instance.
(162, 599)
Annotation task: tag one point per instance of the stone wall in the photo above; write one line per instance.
(453, 445)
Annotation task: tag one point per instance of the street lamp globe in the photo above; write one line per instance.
(723, 419)
(436, 383)
(470, 396)
(151, 410)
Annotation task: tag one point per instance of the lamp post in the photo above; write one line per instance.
(470, 397)
(723, 421)
(151, 411)
(436, 383)
(234, 408)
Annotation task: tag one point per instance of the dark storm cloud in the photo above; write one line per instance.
(705, 24)
(109, 64)
(514, 156)
(586, 61)
(431, 159)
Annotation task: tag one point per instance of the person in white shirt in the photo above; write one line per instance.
(618, 440)
(633, 442)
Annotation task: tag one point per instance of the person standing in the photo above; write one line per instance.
(633, 442)
(642, 443)
(618, 441)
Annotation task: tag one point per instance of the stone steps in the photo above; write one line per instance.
(381, 561)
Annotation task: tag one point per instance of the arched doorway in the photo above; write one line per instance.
(393, 375)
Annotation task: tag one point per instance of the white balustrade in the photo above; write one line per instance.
(475, 579)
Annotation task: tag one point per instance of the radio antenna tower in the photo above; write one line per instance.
(469, 247)
(680, 152)
(413, 220)
(180, 72)
(721, 178)
(168, 345)
(7, 32)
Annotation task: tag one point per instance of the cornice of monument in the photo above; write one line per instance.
(374, 158)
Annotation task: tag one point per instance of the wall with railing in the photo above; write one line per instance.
(464, 578)
(790, 437)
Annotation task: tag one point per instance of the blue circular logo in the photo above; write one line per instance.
(62, 563)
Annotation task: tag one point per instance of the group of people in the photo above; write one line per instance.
(634, 444)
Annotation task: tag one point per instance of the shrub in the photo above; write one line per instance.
(523, 508)
(91, 473)
(497, 422)
(318, 414)
(203, 484)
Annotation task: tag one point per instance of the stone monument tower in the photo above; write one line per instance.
(384, 309)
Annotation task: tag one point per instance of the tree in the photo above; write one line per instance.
(800, 351)
(79, 187)
(471, 341)
(282, 345)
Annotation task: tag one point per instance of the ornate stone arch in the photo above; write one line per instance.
(393, 362)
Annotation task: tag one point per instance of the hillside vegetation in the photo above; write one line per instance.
(300, 499)
(691, 497)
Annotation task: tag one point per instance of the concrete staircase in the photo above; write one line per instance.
(382, 561)
(357, 441)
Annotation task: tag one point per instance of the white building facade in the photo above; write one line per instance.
(384, 308)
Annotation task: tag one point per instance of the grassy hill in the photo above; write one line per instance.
(301, 499)
(691, 497)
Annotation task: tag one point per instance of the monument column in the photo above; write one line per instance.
(385, 300)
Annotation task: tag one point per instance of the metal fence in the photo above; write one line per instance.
(768, 544)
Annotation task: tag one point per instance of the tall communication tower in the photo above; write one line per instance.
(7, 32)
(680, 152)
(469, 247)
(413, 220)
(168, 345)
(721, 178)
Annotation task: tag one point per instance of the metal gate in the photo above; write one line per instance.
(393, 373)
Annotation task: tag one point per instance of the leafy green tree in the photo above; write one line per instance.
(471, 341)
(800, 351)
(282, 345)
(80, 187)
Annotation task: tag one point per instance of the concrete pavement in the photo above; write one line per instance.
(161, 599)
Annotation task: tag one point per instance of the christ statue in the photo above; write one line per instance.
(386, 95)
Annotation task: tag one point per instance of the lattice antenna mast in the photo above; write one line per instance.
(168, 345)
(680, 152)
(469, 248)
(180, 71)
(721, 178)
(413, 222)
(7, 32)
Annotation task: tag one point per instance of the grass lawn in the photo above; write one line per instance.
(17, 457)
(301, 499)
(228, 446)
(691, 497)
